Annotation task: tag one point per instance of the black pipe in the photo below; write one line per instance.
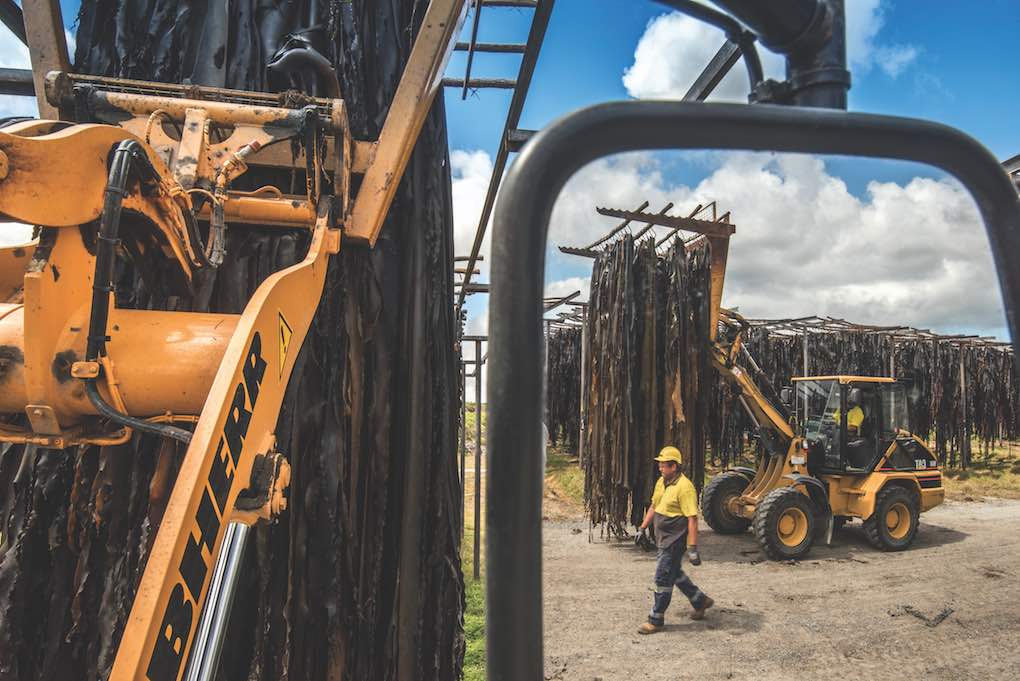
(743, 38)
(812, 36)
(778, 23)
(127, 155)
(521, 223)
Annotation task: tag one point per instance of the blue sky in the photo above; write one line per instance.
(875, 242)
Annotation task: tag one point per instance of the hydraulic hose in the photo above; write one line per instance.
(127, 154)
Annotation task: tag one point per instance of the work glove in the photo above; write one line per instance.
(692, 553)
(641, 539)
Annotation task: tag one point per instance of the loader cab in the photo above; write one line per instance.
(849, 421)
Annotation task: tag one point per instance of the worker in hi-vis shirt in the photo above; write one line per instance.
(854, 419)
(674, 515)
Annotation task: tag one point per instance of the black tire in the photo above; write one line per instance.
(893, 525)
(785, 524)
(714, 499)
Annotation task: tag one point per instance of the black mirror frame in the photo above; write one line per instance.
(521, 222)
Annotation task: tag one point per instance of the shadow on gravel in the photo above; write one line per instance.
(848, 545)
(733, 620)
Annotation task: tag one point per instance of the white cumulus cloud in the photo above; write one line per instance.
(864, 49)
(14, 55)
(470, 171)
(564, 287)
(912, 253)
(675, 48)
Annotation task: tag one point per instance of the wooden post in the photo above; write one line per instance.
(582, 402)
(965, 426)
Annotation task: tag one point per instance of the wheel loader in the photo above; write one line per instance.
(144, 172)
(849, 455)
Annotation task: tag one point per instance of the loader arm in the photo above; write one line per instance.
(752, 387)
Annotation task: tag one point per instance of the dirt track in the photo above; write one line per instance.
(846, 611)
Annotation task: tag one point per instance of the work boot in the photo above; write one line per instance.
(649, 628)
(699, 613)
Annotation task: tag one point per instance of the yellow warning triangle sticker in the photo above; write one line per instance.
(285, 335)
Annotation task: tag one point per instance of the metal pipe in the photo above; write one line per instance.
(478, 458)
(16, 82)
(13, 18)
(521, 223)
(471, 47)
(812, 36)
(777, 23)
(212, 627)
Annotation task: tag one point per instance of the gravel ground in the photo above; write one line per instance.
(948, 608)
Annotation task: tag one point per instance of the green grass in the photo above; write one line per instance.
(470, 419)
(474, 589)
(996, 474)
(474, 610)
(563, 471)
(474, 628)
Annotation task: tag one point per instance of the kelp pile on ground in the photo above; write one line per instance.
(648, 373)
(361, 578)
(563, 387)
(986, 408)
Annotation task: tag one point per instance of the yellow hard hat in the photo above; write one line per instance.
(670, 454)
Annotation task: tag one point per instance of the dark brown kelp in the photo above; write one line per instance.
(985, 409)
(360, 579)
(648, 373)
(563, 387)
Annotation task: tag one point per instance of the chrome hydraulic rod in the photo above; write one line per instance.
(212, 627)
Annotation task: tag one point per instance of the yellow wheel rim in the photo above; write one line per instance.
(897, 520)
(793, 527)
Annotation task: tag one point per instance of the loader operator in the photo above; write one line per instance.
(854, 419)
(674, 511)
(860, 449)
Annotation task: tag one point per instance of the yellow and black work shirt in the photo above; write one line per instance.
(673, 504)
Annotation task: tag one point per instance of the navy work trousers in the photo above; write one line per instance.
(670, 573)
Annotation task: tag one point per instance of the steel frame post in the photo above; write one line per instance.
(478, 457)
(47, 47)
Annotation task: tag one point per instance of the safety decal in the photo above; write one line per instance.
(285, 335)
